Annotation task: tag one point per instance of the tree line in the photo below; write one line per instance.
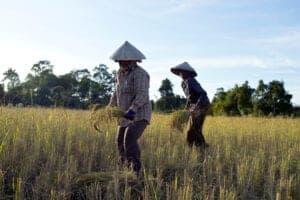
(81, 88)
(76, 89)
(265, 100)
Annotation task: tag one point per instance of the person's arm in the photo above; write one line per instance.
(113, 98)
(185, 87)
(141, 89)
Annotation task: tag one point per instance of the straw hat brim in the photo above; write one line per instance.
(177, 71)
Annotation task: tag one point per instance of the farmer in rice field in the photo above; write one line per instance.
(197, 104)
(132, 96)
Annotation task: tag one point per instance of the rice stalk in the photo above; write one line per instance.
(179, 119)
(102, 116)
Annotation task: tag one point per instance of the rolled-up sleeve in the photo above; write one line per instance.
(141, 90)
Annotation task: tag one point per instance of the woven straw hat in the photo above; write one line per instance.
(183, 67)
(127, 52)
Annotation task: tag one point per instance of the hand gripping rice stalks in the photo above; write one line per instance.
(101, 117)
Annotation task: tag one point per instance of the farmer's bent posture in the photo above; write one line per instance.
(197, 103)
(132, 96)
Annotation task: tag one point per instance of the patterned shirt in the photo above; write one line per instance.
(132, 92)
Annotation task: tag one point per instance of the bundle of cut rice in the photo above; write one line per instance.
(114, 112)
(104, 116)
(179, 119)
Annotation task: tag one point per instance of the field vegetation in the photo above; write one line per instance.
(58, 154)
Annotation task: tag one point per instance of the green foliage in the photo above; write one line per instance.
(166, 88)
(168, 100)
(12, 77)
(82, 88)
(77, 89)
(102, 86)
(296, 111)
(271, 99)
(2, 93)
(169, 103)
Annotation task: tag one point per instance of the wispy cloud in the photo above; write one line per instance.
(229, 62)
(278, 50)
(280, 38)
(184, 5)
(289, 39)
(156, 9)
(177, 6)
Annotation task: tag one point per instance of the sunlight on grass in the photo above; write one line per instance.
(57, 154)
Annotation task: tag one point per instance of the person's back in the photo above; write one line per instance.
(194, 92)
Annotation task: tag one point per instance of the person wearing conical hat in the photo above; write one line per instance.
(197, 104)
(132, 96)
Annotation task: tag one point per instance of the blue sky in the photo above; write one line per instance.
(227, 42)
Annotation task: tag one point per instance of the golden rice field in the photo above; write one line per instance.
(57, 154)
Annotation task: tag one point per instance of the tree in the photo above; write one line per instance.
(218, 102)
(2, 94)
(259, 99)
(65, 94)
(272, 99)
(43, 66)
(244, 99)
(226, 102)
(39, 84)
(168, 100)
(84, 82)
(13, 78)
(236, 101)
(57, 95)
(13, 94)
(166, 88)
(230, 104)
(278, 99)
(102, 84)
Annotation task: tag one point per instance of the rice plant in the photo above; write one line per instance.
(57, 154)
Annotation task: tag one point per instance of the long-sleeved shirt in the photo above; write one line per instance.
(132, 92)
(194, 92)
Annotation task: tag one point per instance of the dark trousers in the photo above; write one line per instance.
(128, 147)
(194, 129)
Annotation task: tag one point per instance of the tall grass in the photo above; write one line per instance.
(57, 154)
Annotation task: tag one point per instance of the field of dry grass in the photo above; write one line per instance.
(57, 154)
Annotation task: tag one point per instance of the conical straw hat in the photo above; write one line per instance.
(127, 52)
(183, 67)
